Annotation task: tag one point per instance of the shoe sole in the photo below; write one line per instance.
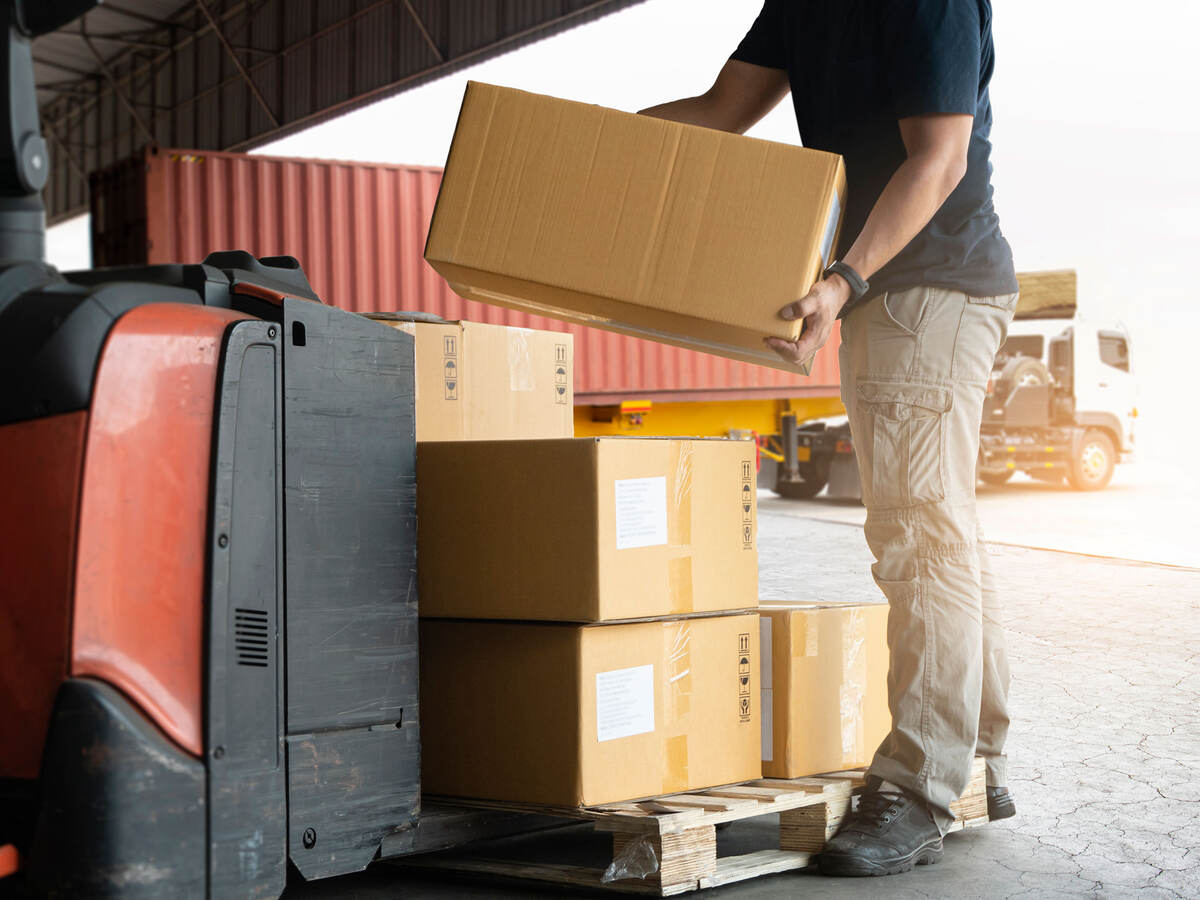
(842, 865)
(1005, 809)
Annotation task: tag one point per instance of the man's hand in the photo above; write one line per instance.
(819, 309)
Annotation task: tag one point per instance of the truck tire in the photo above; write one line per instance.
(1020, 371)
(815, 478)
(997, 476)
(1092, 467)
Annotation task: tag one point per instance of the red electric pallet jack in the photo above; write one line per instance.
(208, 620)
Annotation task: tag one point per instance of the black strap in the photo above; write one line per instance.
(858, 285)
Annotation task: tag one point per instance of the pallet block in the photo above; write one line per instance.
(680, 829)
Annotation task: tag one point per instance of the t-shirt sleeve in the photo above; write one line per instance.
(765, 44)
(935, 62)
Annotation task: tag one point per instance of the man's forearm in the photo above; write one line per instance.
(691, 111)
(915, 192)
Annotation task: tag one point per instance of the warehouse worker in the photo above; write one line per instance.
(925, 288)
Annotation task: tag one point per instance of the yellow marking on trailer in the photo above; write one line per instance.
(703, 418)
(1049, 449)
(1011, 464)
(1049, 465)
(1012, 449)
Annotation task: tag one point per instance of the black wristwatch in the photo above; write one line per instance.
(858, 285)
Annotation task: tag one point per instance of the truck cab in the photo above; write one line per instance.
(1062, 399)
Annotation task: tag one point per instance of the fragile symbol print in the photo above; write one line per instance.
(746, 499)
(450, 366)
(562, 377)
(744, 676)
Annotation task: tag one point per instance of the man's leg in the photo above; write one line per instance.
(993, 708)
(916, 364)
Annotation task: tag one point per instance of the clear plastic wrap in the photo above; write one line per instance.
(637, 859)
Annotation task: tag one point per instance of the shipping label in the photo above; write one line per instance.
(641, 511)
(624, 702)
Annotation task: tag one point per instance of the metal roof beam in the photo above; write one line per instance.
(262, 101)
(120, 94)
(437, 51)
(142, 17)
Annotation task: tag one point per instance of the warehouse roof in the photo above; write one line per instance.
(233, 74)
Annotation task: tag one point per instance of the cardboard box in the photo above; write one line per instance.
(574, 715)
(586, 529)
(650, 228)
(489, 382)
(824, 687)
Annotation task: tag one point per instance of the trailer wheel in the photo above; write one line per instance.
(815, 478)
(1092, 468)
(996, 476)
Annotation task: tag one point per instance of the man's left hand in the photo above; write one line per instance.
(819, 309)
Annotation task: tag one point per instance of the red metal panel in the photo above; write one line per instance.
(39, 508)
(359, 230)
(143, 515)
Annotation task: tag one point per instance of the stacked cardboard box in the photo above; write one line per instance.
(824, 686)
(489, 382)
(581, 641)
(620, 673)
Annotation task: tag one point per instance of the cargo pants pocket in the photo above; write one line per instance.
(906, 441)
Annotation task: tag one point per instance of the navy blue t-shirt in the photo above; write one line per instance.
(856, 67)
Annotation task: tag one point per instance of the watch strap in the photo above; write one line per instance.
(858, 285)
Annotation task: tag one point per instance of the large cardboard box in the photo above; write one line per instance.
(489, 382)
(586, 529)
(650, 228)
(824, 687)
(571, 715)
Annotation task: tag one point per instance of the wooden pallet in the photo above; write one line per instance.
(681, 830)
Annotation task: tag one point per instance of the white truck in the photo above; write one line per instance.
(1061, 404)
(1062, 400)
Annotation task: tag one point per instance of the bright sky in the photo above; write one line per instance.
(1096, 147)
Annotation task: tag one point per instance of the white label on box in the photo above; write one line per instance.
(831, 224)
(767, 693)
(624, 702)
(641, 505)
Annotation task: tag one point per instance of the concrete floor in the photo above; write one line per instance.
(1104, 751)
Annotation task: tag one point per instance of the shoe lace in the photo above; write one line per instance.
(879, 806)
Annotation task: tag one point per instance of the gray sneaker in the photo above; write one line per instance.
(887, 834)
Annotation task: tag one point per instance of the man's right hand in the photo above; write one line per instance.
(818, 309)
(742, 94)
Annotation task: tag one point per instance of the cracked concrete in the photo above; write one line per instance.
(1104, 751)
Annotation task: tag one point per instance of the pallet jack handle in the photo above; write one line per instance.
(24, 162)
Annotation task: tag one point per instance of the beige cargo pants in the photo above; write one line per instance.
(914, 370)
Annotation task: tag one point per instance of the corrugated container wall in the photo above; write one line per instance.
(359, 231)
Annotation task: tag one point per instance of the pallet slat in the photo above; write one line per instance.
(680, 828)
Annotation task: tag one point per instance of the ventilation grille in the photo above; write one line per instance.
(251, 637)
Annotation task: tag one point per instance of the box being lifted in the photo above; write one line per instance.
(477, 381)
(587, 529)
(824, 686)
(651, 228)
(574, 715)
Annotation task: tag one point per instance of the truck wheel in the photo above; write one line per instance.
(1092, 468)
(997, 476)
(815, 478)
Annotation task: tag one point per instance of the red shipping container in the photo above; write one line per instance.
(359, 232)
